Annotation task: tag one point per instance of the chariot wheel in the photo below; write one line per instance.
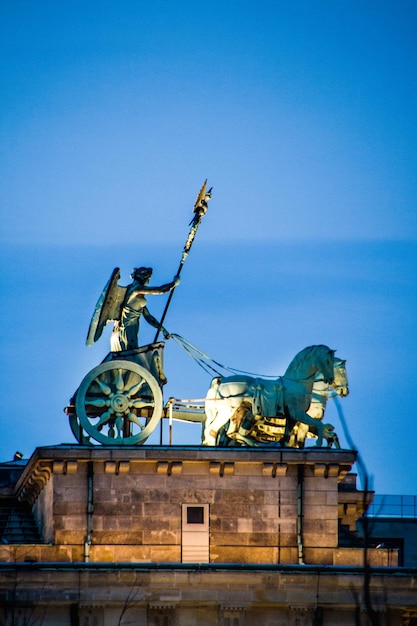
(119, 403)
(78, 431)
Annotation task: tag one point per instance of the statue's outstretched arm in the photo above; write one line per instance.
(153, 321)
(156, 291)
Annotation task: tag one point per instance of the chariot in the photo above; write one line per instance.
(120, 402)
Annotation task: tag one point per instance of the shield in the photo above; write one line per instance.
(108, 307)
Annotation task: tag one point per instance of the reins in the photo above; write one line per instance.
(208, 364)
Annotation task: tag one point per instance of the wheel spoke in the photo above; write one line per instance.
(98, 402)
(104, 388)
(119, 381)
(119, 426)
(133, 418)
(135, 388)
(104, 418)
(140, 403)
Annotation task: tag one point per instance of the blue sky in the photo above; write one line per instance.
(303, 117)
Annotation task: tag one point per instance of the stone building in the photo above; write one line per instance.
(190, 536)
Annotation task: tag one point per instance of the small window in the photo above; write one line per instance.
(195, 515)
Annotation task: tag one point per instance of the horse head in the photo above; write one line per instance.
(340, 383)
(311, 360)
(325, 363)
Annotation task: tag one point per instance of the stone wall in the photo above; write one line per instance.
(294, 596)
(125, 504)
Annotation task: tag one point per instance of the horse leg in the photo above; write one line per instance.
(302, 433)
(331, 438)
(292, 440)
(310, 422)
(238, 417)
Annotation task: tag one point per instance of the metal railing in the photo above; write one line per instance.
(393, 506)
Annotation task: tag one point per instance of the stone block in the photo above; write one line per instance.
(161, 537)
(287, 555)
(333, 470)
(215, 523)
(69, 493)
(288, 497)
(156, 495)
(229, 524)
(320, 526)
(225, 538)
(148, 523)
(348, 556)
(110, 467)
(124, 467)
(311, 498)
(244, 525)
(195, 469)
(281, 469)
(319, 483)
(287, 511)
(102, 554)
(165, 554)
(242, 554)
(133, 554)
(286, 539)
(242, 495)
(262, 525)
(191, 494)
(176, 467)
(109, 509)
(262, 539)
(228, 468)
(260, 482)
(58, 467)
(268, 511)
(70, 522)
(376, 557)
(215, 467)
(102, 537)
(62, 554)
(104, 522)
(175, 524)
(225, 509)
(124, 522)
(271, 496)
(320, 540)
(319, 470)
(65, 537)
(63, 508)
(164, 509)
(318, 556)
(318, 512)
(332, 498)
(142, 467)
(249, 469)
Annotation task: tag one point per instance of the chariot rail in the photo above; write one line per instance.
(185, 410)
